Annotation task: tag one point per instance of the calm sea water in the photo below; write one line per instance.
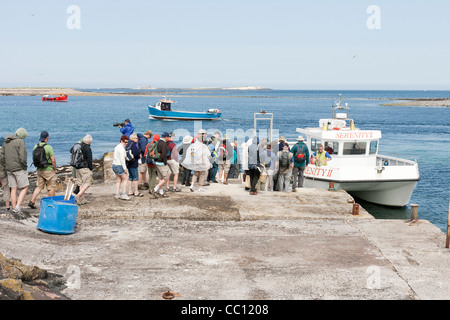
(420, 133)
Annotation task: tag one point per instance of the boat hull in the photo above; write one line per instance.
(56, 99)
(180, 115)
(395, 193)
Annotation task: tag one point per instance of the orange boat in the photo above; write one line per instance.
(60, 98)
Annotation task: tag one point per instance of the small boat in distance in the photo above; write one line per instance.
(60, 98)
(163, 111)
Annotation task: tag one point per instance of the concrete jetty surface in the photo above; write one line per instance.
(227, 244)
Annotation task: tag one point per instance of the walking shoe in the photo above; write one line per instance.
(192, 188)
(154, 194)
(117, 196)
(32, 205)
(176, 190)
(17, 210)
(143, 187)
(125, 197)
(78, 201)
(201, 190)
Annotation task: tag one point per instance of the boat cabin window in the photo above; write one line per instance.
(373, 147)
(332, 147)
(315, 144)
(165, 106)
(354, 148)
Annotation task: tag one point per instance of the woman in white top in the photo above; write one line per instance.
(119, 167)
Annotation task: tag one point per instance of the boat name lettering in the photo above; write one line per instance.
(359, 135)
(319, 172)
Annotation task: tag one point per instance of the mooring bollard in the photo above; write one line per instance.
(414, 212)
(355, 211)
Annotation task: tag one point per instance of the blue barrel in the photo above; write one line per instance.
(57, 215)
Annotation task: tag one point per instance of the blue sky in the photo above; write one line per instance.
(208, 43)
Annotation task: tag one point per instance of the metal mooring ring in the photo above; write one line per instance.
(168, 295)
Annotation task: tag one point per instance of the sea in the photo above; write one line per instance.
(420, 133)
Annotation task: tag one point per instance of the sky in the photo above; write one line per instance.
(282, 44)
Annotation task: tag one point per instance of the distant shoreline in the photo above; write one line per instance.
(424, 102)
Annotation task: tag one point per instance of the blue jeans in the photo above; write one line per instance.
(118, 170)
(133, 174)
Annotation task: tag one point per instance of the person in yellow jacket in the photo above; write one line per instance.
(321, 157)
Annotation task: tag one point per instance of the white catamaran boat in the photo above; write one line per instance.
(356, 166)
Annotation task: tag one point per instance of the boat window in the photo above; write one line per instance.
(165, 106)
(373, 147)
(315, 144)
(332, 147)
(354, 148)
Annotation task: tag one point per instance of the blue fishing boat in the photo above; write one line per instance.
(163, 111)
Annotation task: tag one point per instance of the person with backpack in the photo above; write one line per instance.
(301, 160)
(172, 162)
(132, 156)
(16, 167)
(256, 161)
(149, 157)
(161, 166)
(285, 165)
(119, 167)
(82, 161)
(44, 161)
(4, 177)
(143, 169)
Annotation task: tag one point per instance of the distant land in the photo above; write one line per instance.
(41, 91)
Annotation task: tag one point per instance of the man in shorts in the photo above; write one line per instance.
(84, 174)
(161, 167)
(46, 177)
(172, 162)
(16, 167)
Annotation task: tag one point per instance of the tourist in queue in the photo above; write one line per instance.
(46, 175)
(161, 167)
(256, 161)
(197, 159)
(285, 165)
(186, 173)
(321, 157)
(132, 166)
(119, 167)
(151, 166)
(172, 162)
(271, 168)
(223, 160)
(84, 172)
(16, 167)
(213, 145)
(143, 169)
(301, 160)
(4, 177)
(128, 129)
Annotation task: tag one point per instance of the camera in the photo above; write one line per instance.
(119, 124)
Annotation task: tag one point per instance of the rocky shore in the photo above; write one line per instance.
(430, 102)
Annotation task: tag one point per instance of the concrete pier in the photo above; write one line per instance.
(227, 244)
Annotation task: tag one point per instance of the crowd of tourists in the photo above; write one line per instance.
(155, 163)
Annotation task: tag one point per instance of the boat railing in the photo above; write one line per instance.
(393, 161)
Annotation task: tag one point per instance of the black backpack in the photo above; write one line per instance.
(300, 154)
(77, 156)
(39, 157)
(284, 159)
